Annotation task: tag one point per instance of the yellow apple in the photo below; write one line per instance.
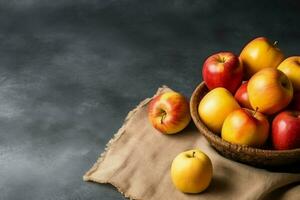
(169, 112)
(260, 53)
(215, 106)
(246, 127)
(191, 171)
(269, 90)
(291, 68)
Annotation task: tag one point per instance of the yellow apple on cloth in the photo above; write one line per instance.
(269, 90)
(215, 106)
(246, 127)
(291, 68)
(260, 53)
(169, 112)
(191, 171)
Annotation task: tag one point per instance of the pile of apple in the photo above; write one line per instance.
(254, 96)
(247, 94)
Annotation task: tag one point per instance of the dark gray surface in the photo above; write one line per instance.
(71, 70)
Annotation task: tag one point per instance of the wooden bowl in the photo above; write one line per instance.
(245, 154)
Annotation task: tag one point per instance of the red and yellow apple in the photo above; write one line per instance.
(286, 130)
(242, 97)
(246, 127)
(260, 53)
(291, 68)
(269, 90)
(169, 112)
(223, 69)
(215, 106)
(191, 171)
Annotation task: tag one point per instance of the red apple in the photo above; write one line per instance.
(169, 112)
(295, 104)
(286, 130)
(242, 97)
(223, 69)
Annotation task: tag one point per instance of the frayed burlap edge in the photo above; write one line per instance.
(86, 176)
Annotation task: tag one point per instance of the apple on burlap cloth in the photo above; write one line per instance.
(138, 158)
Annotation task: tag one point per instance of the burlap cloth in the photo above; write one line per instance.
(137, 162)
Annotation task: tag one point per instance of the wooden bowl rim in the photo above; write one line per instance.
(219, 141)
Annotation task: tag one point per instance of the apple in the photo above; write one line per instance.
(260, 53)
(295, 104)
(246, 127)
(286, 130)
(191, 171)
(223, 69)
(269, 90)
(242, 97)
(169, 112)
(291, 68)
(215, 106)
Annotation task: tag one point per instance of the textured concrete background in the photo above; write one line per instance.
(70, 71)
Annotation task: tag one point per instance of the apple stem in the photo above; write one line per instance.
(193, 154)
(163, 117)
(256, 109)
(275, 43)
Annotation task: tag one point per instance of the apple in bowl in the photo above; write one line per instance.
(246, 127)
(260, 53)
(291, 68)
(223, 69)
(169, 112)
(269, 90)
(215, 106)
(286, 130)
(242, 96)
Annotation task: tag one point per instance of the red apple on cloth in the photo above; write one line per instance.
(223, 69)
(169, 112)
(269, 90)
(286, 130)
(242, 97)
